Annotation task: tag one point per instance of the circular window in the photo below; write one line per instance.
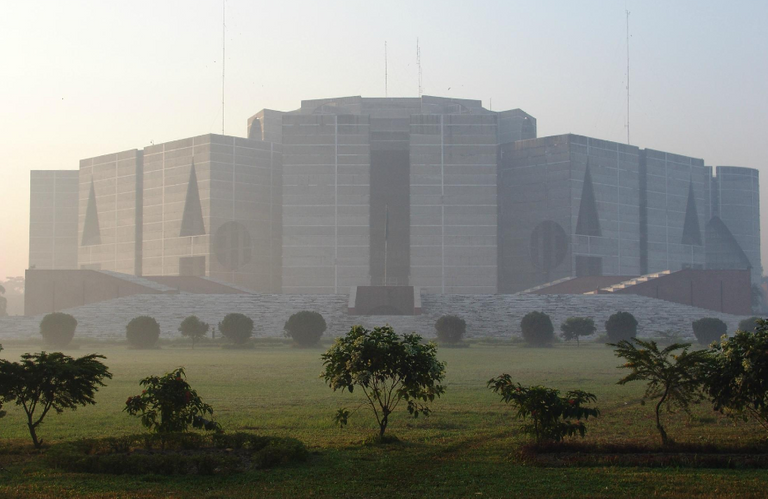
(549, 244)
(232, 245)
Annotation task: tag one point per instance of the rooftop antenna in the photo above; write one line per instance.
(386, 94)
(627, 77)
(223, 56)
(418, 63)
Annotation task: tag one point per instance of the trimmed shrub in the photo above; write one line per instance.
(193, 328)
(236, 328)
(709, 329)
(621, 326)
(305, 327)
(574, 327)
(749, 324)
(450, 328)
(58, 329)
(537, 329)
(142, 332)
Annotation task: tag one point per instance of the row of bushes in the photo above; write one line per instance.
(538, 330)
(305, 328)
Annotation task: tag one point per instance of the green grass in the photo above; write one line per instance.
(469, 447)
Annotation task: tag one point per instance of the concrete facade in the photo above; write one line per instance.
(437, 193)
(53, 208)
(211, 207)
(573, 206)
(109, 221)
(736, 201)
(398, 191)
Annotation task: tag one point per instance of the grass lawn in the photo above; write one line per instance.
(469, 447)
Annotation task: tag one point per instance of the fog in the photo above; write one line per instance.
(89, 78)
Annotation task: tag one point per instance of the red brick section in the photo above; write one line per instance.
(727, 291)
(53, 290)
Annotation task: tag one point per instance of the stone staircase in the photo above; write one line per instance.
(545, 285)
(631, 282)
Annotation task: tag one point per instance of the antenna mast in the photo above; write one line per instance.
(627, 77)
(223, 56)
(385, 69)
(418, 63)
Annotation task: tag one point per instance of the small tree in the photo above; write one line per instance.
(621, 326)
(388, 369)
(709, 329)
(574, 327)
(552, 417)
(237, 328)
(672, 378)
(45, 381)
(450, 328)
(305, 327)
(58, 329)
(142, 332)
(737, 375)
(749, 324)
(168, 405)
(537, 329)
(193, 328)
(2, 412)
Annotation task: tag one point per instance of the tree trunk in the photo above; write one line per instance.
(383, 424)
(33, 434)
(662, 432)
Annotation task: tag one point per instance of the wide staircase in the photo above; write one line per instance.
(630, 282)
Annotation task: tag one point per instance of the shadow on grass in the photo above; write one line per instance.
(685, 455)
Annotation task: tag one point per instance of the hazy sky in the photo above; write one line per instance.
(81, 79)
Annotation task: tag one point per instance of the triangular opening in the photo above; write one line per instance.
(691, 228)
(192, 223)
(91, 231)
(723, 251)
(588, 223)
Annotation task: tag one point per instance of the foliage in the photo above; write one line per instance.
(182, 454)
(537, 329)
(709, 329)
(621, 326)
(45, 381)
(236, 328)
(305, 327)
(737, 375)
(168, 405)
(675, 379)
(2, 412)
(450, 328)
(552, 417)
(193, 328)
(387, 368)
(142, 332)
(58, 329)
(574, 327)
(749, 324)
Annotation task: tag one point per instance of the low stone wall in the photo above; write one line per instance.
(486, 315)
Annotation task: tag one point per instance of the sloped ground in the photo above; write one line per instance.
(486, 315)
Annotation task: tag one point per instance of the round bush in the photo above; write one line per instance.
(621, 326)
(305, 327)
(58, 329)
(709, 329)
(142, 332)
(450, 328)
(236, 328)
(537, 329)
(749, 324)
